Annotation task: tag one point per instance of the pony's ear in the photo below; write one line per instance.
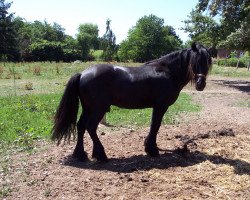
(194, 47)
(212, 51)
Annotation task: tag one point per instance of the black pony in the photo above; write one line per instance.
(155, 84)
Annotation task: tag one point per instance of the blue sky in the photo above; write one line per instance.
(123, 13)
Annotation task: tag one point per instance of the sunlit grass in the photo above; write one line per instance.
(29, 117)
(230, 71)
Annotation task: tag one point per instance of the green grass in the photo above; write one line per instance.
(24, 119)
(230, 71)
(44, 77)
(142, 117)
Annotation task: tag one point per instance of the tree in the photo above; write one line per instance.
(172, 41)
(71, 50)
(240, 39)
(203, 29)
(235, 16)
(148, 40)
(45, 31)
(8, 42)
(45, 50)
(41, 41)
(22, 28)
(87, 38)
(59, 32)
(108, 43)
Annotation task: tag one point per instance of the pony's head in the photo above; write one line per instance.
(200, 63)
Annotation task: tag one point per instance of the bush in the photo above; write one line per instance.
(70, 55)
(46, 51)
(232, 62)
(51, 51)
(97, 54)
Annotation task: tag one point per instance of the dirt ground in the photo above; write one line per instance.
(205, 155)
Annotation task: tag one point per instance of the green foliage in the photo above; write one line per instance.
(202, 29)
(148, 40)
(8, 35)
(45, 50)
(70, 55)
(87, 38)
(37, 30)
(240, 39)
(233, 61)
(108, 43)
(234, 23)
(97, 55)
(41, 41)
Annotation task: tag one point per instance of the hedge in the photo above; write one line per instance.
(232, 62)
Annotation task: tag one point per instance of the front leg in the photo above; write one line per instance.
(150, 141)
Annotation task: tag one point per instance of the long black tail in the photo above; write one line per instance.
(66, 114)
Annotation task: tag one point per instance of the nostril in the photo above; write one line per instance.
(200, 84)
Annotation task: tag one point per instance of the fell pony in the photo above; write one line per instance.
(156, 84)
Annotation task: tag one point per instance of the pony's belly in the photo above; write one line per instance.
(131, 102)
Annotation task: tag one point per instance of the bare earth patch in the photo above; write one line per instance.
(206, 156)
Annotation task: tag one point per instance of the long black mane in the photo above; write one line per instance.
(178, 63)
(182, 63)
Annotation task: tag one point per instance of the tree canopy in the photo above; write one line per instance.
(108, 43)
(41, 41)
(203, 29)
(87, 38)
(149, 39)
(8, 42)
(231, 30)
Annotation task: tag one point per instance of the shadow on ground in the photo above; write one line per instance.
(176, 158)
(243, 86)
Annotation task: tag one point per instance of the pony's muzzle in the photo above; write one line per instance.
(200, 82)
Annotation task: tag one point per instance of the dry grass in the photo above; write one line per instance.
(1, 71)
(37, 70)
(28, 86)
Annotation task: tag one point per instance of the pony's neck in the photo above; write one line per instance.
(186, 67)
(178, 64)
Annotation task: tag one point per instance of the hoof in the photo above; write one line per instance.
(100, 158)
(80, 156)
(99, 154)
(153, 152)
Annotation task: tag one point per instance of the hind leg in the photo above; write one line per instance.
(98, 149)
(79, 152)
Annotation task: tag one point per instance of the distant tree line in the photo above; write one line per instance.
(41, 41)
(213, 23)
